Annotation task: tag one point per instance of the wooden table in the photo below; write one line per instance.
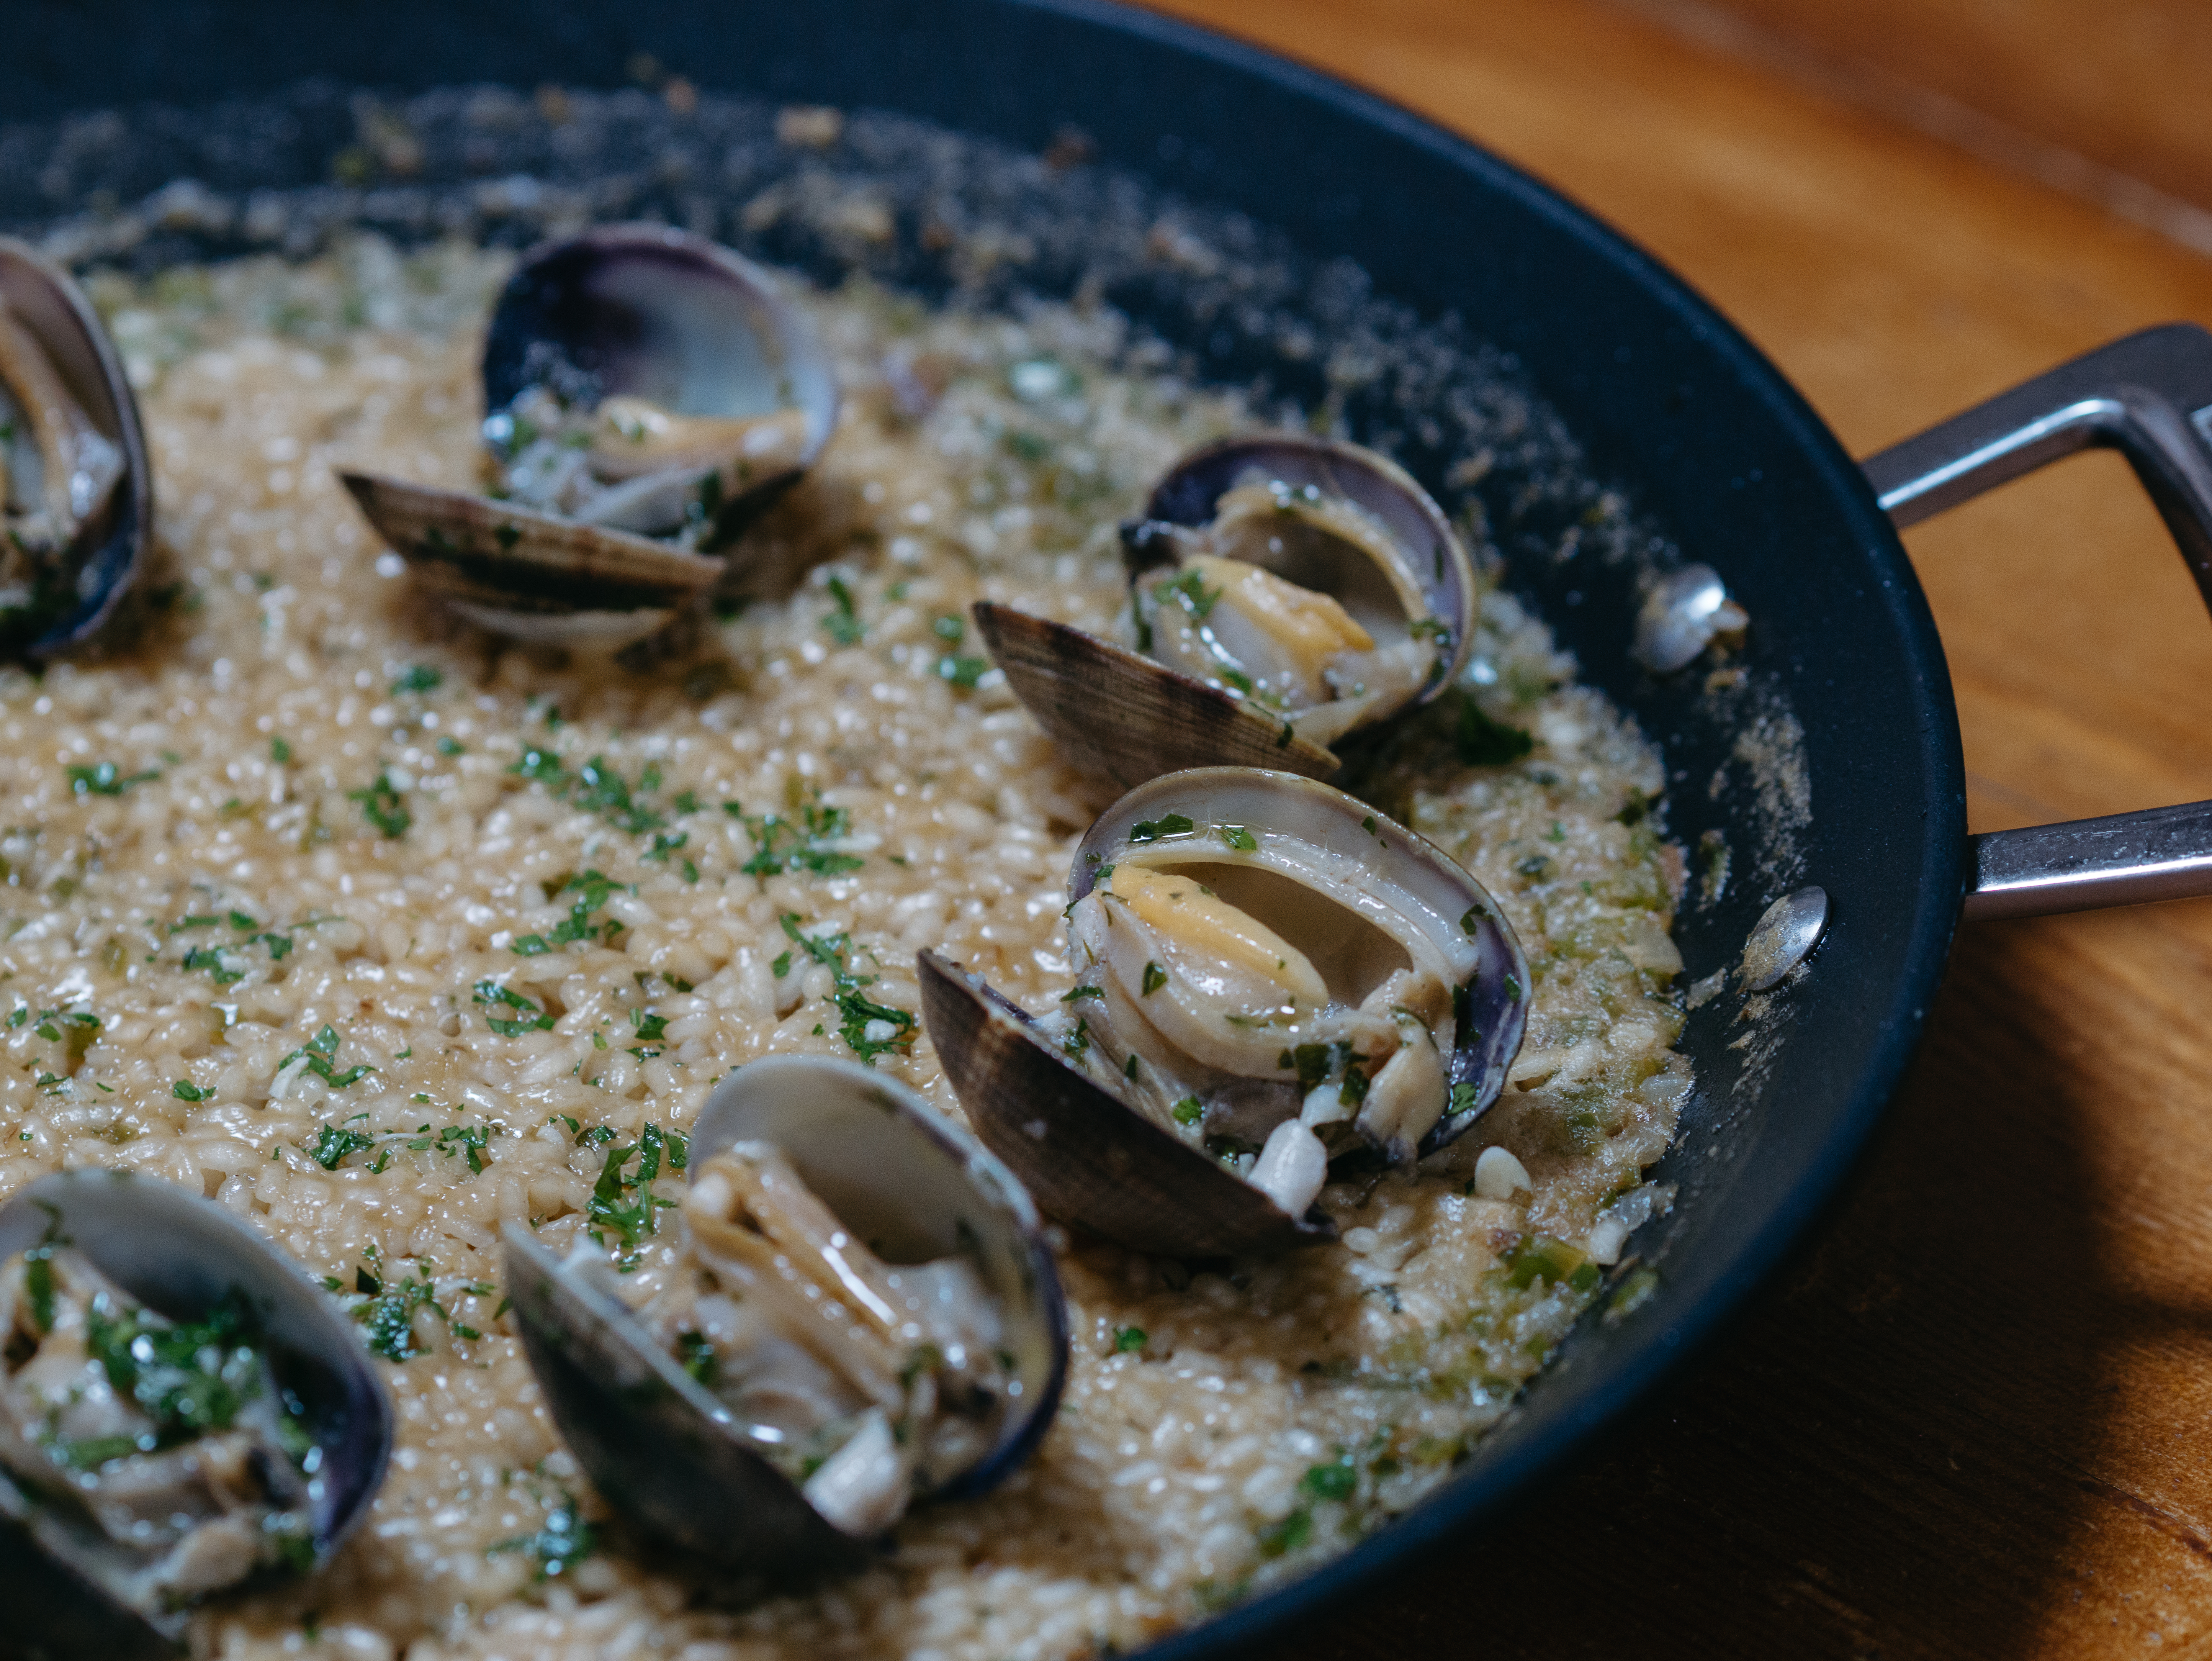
(1976, 1419)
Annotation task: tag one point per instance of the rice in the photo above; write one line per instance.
(298, 841)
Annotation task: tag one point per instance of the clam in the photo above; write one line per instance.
(182, 1412)
(1272, 980)
(77, 493)
(857, 1312)
(648, 393)
(1286, 593)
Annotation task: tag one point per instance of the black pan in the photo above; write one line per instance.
(1506, 320)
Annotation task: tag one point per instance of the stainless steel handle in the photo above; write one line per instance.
(2149, 396)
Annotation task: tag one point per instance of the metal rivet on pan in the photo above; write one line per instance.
(1785, 937)
(1680, 616)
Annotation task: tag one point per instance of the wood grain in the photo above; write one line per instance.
(2117, 82)
(1973, 1422)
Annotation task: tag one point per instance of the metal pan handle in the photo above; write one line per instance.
(2149, 396)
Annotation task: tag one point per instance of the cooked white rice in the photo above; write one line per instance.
(291, 802)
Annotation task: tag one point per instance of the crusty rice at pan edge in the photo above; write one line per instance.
(300, 801)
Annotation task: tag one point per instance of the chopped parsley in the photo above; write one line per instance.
(334, 1142)
(1171, 824)
(963, 672)
(561, 1542)
(1187, 592)
(318, 1052)
(104, 779)
(1482, 742)
(494, 996)
(597, 786)
(868, 1028)
(805, 840)
(626, 1206)
(382, 806)
(844, 623)
(1337, 1480)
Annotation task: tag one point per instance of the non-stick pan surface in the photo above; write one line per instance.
(1348, 216)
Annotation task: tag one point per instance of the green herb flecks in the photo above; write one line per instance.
(868, 1028)
(1339, 1480)
(333, 1142)
(598, 786)
(561, 1542)
(383, 806)
(1482, 742)
(626, 1207)
(189, 1378)
(493, 997)
(1187, 592)
(844, 623)
(318, 1053)
(1170, 824)
(963, 672)
(805, 839)
(104, 779)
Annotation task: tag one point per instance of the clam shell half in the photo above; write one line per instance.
(1133, 718)
(536, 576)
(179, 1255)
(661, 1448)
(110, 549)
(1092, 1159)
(651, 312)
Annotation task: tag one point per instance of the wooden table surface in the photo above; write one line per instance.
(1975, 1419)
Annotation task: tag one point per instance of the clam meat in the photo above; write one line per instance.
(852, 1312)
(1271, 979)
(1286, 593)
(75, 492)
(180, 1412)
(648, 395)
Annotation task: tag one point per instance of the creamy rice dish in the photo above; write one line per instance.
(384, 932)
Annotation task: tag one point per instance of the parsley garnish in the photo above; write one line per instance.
(844, 623)
(102, 779)
(495, 996)
(1171, 824)
(858, 1011)
(803, 843)
(382, 805)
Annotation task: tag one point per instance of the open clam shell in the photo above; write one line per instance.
(535, 576)
(180, 1257)
(1360, 898)
(648, 393)
(652, 313)
(73, 461)
(1398, 570)
(664, 1450)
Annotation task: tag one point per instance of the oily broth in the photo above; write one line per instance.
(1225, 1426)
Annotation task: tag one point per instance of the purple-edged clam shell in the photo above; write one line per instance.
(660, 1447)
